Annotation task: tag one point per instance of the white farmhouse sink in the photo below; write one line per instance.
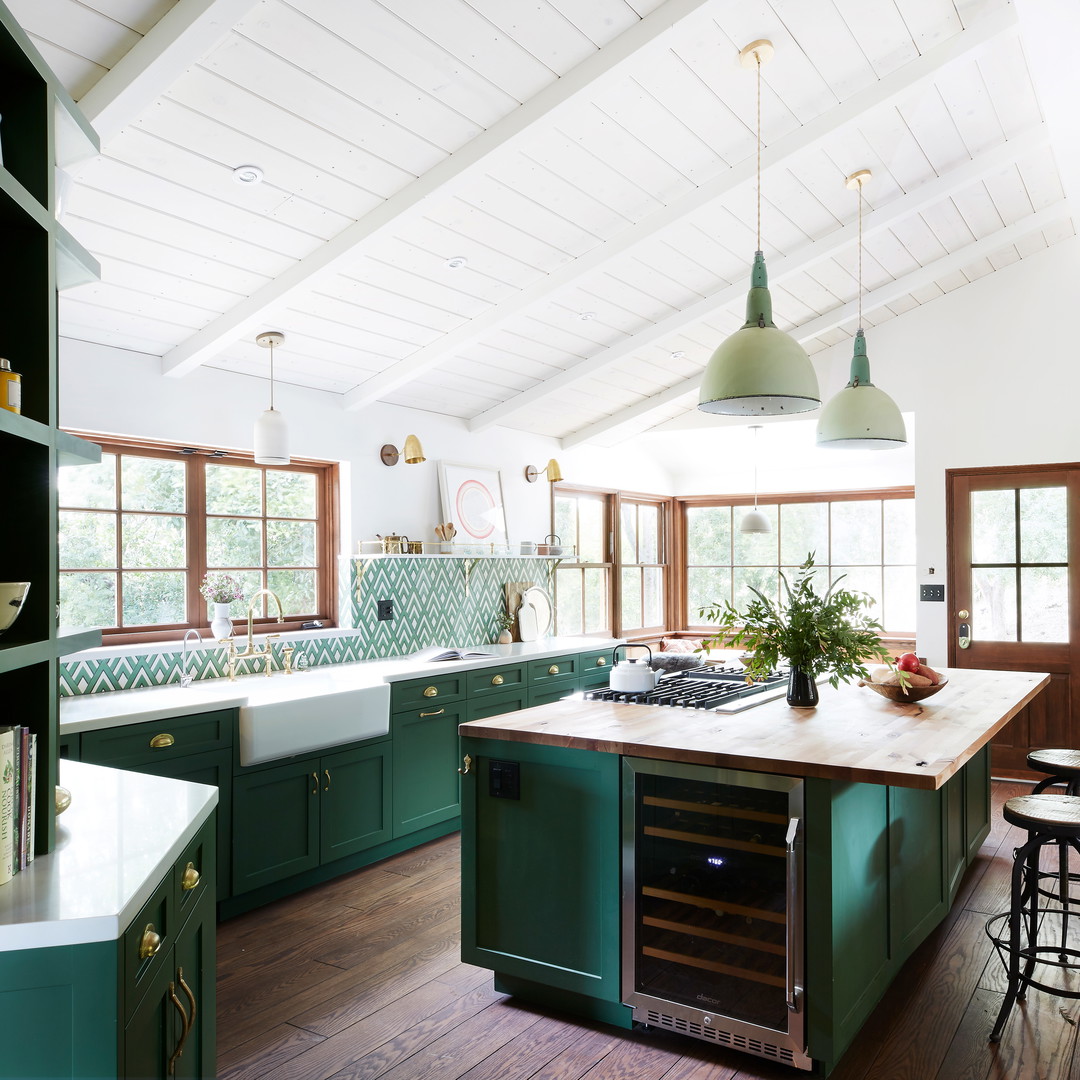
(287, 715)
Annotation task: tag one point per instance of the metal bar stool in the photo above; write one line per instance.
(1048, 819)
(1063, 767)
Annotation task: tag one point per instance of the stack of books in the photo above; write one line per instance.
(18, 752)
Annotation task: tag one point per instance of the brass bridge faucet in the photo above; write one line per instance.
(264, 652)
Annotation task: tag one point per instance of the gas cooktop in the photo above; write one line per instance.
(720, 689)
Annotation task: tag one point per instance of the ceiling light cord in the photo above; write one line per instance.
(757, 57)
(271, 375)
(860, 255)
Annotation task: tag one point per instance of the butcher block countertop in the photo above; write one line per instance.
(853, 734)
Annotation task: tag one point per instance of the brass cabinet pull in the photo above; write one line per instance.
(184, 1030)
(496, 680)
(191, 998)
(431, 691)
(190, 878)
(326, 773)
(149, 943)
(434, 712)
(601, 661)
(554, 669)
(314, 783)
(159, 742)
(468, 765)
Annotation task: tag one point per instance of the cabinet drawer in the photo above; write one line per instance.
(553, 669)
(194, 872)
(158, 740)
(146, 943)
(496, 704)
(595, 662)
(422, 692)
(497, 680)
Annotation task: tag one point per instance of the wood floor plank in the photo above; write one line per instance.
(265, 1052)
(592, 1044)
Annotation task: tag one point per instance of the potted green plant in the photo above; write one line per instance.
(811, 632)
(505, 622)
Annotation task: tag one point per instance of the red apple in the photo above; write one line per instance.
(908, 662)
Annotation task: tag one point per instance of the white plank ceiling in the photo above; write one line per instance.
(590, 163)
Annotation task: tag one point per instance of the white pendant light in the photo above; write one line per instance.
(755, 521)
(759, 370)
(271, 432)
(861, 416)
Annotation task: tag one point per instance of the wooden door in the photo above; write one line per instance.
(1014, 593)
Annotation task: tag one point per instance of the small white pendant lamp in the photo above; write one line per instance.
(755, 521)
(862, 416)
(271, 432)
(759, 370)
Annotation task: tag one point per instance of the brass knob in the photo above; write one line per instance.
(468, 765)
(149, 943)
(554, 669)
(963, 614)
(190, 878)
(601, 661)
(497, 680)
(431, 691)
(159, 742)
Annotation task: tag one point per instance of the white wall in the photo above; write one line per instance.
(123, 393)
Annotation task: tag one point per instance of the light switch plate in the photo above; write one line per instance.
(932, 592)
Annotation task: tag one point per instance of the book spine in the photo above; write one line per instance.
(7, 804)
(31, 832)
(24, 796)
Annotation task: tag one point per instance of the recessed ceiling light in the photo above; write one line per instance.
(456, 262)
(586, 316)
(247, 174)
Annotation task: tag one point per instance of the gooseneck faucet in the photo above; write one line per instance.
(185, 675)
(264, 652)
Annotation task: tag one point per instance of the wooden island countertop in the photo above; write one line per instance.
(854, 734)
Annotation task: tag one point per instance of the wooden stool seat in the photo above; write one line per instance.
(1064, 763)
(1050, 813)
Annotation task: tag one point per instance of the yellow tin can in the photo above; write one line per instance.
(10, 388)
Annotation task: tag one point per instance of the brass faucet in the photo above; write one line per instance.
(250, 652)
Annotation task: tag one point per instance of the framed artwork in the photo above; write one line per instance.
(472, 500)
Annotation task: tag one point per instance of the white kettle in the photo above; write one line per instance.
(632, 676)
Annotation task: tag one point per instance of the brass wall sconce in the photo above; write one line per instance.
(413, 453)
(554, 473)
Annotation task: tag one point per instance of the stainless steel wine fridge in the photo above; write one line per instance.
(713, 906)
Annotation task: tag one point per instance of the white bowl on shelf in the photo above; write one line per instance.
(12, 596)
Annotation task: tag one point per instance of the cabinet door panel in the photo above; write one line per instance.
(426, 782)
(275, 824)
(195, 962)
(356, 806)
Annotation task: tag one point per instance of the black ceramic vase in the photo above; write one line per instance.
(801, 689)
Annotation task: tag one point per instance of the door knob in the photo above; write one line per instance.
(963, 613)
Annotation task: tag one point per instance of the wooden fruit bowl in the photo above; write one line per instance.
(897, 694)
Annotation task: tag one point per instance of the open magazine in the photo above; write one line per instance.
(436, 652)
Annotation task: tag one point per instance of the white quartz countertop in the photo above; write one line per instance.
(114, 843)
(87, 712)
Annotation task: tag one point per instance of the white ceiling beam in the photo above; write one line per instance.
(455, 172)
(186, 32)
(628, 422)
(927, 194)
(907, 80)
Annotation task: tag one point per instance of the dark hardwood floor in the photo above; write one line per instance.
(360, 978)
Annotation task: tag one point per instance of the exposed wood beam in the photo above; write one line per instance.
(925, 195)
(904, 81)
(186, 32)
(453, 173)
(628, 422)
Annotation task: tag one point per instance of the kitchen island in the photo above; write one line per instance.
(892, 804)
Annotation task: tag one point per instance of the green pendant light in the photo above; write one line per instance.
(759, 370)
(861, 416)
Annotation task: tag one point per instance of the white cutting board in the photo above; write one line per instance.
(534, 615)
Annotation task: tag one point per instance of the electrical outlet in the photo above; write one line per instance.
(932, 592)
(385, 610)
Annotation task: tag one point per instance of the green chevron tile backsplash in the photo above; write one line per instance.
(437, 601)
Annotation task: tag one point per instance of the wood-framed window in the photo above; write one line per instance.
(619, 584)
(868, 536)
(139, 530)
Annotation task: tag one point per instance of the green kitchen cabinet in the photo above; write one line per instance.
(426, 782)
(197, 747)
(103, 1008)
(540, 873)
(594, 669)
(308, 812)
(496, 704)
